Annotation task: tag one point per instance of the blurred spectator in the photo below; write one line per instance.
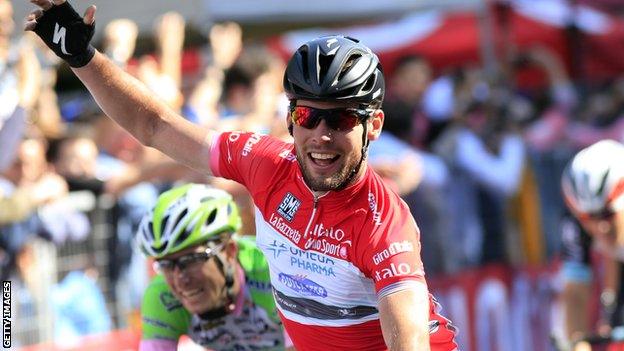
(403, 100)
(485, 155)
(549, 144)
(25, 187)
(28, 183)
(162, 74)
(79, 307)
(226, 43)
(19, 85)
(120, 40)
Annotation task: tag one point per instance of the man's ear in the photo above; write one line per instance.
(289, 124)
(375, 124)
(231, 249)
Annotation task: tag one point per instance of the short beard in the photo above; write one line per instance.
(334, 182)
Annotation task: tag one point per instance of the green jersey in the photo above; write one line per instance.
(256, 327)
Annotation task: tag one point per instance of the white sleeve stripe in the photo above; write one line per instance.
(400, 286)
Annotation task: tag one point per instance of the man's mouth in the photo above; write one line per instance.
(323, 159)
(187, 294)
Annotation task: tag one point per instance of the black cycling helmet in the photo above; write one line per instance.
(335, 68)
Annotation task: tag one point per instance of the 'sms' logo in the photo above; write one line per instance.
(288, 207)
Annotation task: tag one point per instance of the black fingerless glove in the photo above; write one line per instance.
(63, 30)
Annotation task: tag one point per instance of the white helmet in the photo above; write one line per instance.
(185, 216)
(593, 181)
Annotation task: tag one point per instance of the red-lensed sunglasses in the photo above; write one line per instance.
(339, 119)
(604, 215)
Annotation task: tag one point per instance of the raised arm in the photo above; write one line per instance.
(127, 101)
(121, 96)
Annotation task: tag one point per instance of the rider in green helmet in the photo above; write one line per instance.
(212, 284)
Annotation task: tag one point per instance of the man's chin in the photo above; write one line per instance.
(321, 184)
(195, 309)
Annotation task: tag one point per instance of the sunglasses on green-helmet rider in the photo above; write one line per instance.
(339, 119)
(191, 260)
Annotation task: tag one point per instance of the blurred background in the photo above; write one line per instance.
(486, 102)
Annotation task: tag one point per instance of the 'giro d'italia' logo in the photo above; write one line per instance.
(288, 207)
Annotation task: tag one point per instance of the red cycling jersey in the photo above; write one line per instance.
(331, 257)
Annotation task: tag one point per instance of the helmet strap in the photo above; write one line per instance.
(356, 170)
(228, 290)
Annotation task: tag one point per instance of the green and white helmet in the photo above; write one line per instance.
(185, 216)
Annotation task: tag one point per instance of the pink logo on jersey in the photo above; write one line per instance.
(343, 252)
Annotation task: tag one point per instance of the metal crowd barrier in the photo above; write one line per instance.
(32, 310)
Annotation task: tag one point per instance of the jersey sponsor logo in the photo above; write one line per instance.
(394, 270)
(253, 140)
(258, 284)
(320, 231)
(283, 227)
(277, 248)
(328, 248)
(302, 285)
(372, 204)
(394, 248)
(288, 207)
(311, 262)
(288, 155)
(156, 323)
(59, 36)
(312, 266)
(169, 301)
(312, 256)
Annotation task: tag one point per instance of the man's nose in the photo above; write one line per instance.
(179, 271)
(322, 132)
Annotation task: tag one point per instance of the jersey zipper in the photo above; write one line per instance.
(316, 198)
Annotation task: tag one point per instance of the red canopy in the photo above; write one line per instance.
(450, 39)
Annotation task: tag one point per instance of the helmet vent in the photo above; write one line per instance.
(162, 247)
(184, 235)
(324, 62)
(370, 83)
(304, 63)
(205, 198)
(603, 182)
(350, 62)
(181, 216)
(229, 209)
(164, 222)
(211, 217)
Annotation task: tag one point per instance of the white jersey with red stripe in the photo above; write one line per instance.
(333, 257)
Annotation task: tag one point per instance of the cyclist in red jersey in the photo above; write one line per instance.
(343, 249)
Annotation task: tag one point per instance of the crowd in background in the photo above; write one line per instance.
(476, 156)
